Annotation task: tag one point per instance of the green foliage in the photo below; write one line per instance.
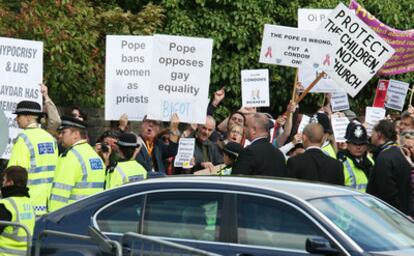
(73, 33)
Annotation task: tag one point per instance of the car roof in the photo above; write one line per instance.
(301, 189)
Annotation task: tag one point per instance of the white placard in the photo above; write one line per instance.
(339, 101)
(311, 19)
(185, 153)
(372, 116)
(396, 93)
(255, 88)
(339, 125)
(303, 122)
(127, 76)
(21, 73)
(361, 52)
(294, 47)
(180, 78)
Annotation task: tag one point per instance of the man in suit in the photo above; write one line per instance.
(391, 176)
(260, 157)
(314, 164)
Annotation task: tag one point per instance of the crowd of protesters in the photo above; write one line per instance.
(247, 142)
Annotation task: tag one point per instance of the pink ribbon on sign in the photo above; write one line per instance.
(269, 52)
(327, 60)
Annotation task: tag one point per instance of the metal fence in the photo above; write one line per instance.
(28, 236)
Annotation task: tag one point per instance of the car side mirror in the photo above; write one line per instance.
(320, 245)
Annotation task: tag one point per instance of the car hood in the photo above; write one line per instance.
(406, 252)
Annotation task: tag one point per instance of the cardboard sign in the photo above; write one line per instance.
(339, 101)
(21, 72)
(401, 40)
(180, 78)
(396, 93)
(294, 47)
(4, 132)
(372, 117)
(339, 125)
(311, 19)
(255, 88)
(127, 76)
(361, 52)
(185, 153)
(381, 94)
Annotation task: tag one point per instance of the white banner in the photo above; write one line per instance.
(339, 125)
(339, 101)
(185, 153)
(294, 47)
(311, 19)
(361, 52)
(21, 73)
(127, 76)
(255, 88)
(180, 78)
(396, 93)
(372, 116)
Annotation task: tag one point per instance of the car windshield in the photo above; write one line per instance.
(371, 224)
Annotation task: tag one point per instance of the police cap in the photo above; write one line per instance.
(27, 107)
(128, 140)
(356, 134)
(68, 122)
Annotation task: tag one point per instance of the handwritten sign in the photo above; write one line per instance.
(21, 72)
(339, 125)
(127, 76)
(396, 93)
(255, 88)
(185, 153)
(180, 78)
(361, 52)
(372, 116)
(294, 47)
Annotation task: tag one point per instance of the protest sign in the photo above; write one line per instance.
(311, 19)
(339, 125)
(381, 94)
(361, 52)
(4, 132)
(185, 153)
(255, 88)
(21, 72)
(339, 101)
(180, 78)
(127, 76)
(304, 122)
(396, 93)
(372, 116)
(294, 47)
(401, 40)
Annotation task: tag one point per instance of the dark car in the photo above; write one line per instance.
(237, 216)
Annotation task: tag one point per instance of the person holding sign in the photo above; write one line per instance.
(357, 164)
(127, 169)
(36, 151)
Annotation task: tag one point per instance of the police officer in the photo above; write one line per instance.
(15, 206)
(80, 172)
(36, 151)
(127, 169)
(357, 164)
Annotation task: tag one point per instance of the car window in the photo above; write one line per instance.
(123, 216)
(185, 215)
(371, 224)
(267, 222)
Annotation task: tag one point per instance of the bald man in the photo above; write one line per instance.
(314, 164)
(260, 157)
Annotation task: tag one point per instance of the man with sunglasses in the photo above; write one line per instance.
(36, 151)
